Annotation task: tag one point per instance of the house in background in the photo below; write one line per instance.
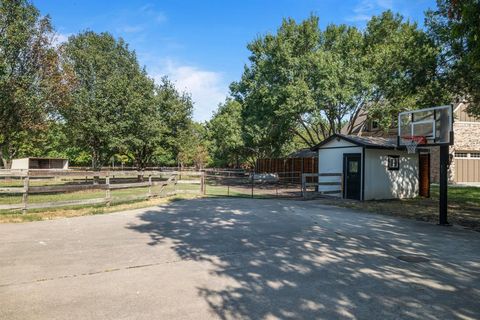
(465, 152)
(372, 168)
(39, 163)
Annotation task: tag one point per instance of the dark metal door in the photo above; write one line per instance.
(352, 171)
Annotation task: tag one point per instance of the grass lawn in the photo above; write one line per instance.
(464, 203)
(122, 199)
(76, 211)
(463, 206)
(462, 196)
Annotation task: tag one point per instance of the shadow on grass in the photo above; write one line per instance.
(294, 260)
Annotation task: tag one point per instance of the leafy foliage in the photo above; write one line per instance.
(32, 85)
(403, 66)
(175, 109)
(225, 135)
(104, 92)
(455, 26)
(307, 83)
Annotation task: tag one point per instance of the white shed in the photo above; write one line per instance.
(39, 163)
(372, 167)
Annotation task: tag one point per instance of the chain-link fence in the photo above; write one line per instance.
(240, 183)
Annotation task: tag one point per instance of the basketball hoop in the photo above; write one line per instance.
(412, 142)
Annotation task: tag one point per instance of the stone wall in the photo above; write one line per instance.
(467, 136)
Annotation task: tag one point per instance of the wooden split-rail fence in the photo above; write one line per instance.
(95, 180)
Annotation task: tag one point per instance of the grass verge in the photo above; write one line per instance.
(463, 206)
(67, 212)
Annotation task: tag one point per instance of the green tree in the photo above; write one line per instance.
(455, 26)
(32, 86)
(225, 134)
(175, 109)
(274, 88)
(307, 83)
(301, 82)
(193, 146)
(108, 94)
(339, 80)
(143, 126)
(402, 62)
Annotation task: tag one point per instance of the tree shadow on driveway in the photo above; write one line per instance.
(300, 260)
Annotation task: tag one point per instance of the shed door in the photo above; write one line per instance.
(352, 171)
(424, 166)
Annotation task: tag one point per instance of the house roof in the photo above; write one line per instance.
(367, 142)
(303, 153)
(42, 158)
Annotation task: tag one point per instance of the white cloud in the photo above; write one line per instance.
(160, 17)
(207, 88)
(365, 9)
(150, 11)
(131, 29)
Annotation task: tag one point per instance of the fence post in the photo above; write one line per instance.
(202, 182)
(341, 185)
(149, 186)
(303, 184)
(253, 181)
(26, 183)
(108, 197)
(175, 184)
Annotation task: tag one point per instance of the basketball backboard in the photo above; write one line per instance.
(428, 127)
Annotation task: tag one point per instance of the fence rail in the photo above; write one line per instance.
(107, 181)
(318, 183)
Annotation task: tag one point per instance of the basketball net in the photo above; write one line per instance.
(413, 142)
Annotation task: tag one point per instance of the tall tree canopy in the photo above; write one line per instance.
(110, 92)
(31, 83)
(455, 25)
(225, 135)
(307, 82)
(402, 62)
(175, 109)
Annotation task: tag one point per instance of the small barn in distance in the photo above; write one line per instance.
(36, 163)
(372, 167)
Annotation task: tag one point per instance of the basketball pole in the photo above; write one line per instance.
(443, 200)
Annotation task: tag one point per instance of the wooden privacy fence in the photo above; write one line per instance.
(318, 184)
(144, 179)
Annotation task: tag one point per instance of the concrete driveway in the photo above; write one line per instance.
(238, 259)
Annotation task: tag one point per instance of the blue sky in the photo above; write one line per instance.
(201, 45)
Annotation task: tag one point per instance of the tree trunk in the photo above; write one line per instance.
(95, 166)
(5, 162)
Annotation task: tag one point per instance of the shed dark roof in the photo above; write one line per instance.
(368, 142)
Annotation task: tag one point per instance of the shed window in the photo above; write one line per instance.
(353, 167)
(393, 162)
(461, 155)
